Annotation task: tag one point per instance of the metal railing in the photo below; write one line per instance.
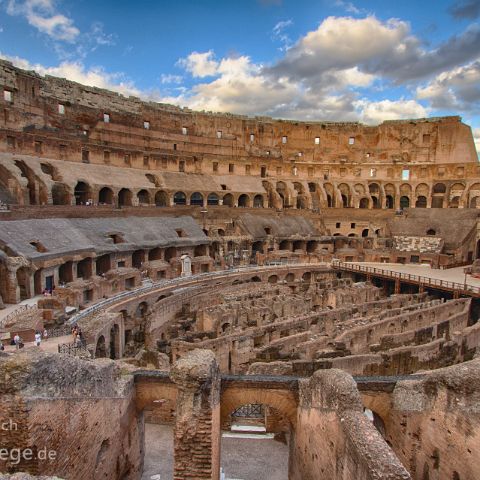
(72, 348)
(178, 281)
(17, 312)
(408, 277)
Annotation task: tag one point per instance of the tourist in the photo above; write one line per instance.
(17, 340)
(45, 334)
(2, 348)
(38, 339)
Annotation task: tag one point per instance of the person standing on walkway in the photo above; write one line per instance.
(17, 340)
(38, 339)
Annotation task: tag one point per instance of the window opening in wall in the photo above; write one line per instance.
(61, 109)
(85, 156)
(181, 166)
(121, 264)
(284, 139)
(405, 174)
(215, 166)
(338, 225)
(146, 125)
(351, 140)
(426, 138)
(106, 118)
(263, 171)
(317, 140)
(146, 160)
(10, 141)
(252, 138)
(184, 130)
(38, 147)
(431, 232)
(373, 172)
(224, 187)
(38, 246)
(352, 225)
(174, 146)
(326, 174)
(367, 155)
(231, 168)
(127, 158)
(63, 151)
(247, 169)
(268, 230)
(85, 133)
(117, 238)
(180, 233)
(300, 154)
(7, 95)
(267, 152)
(219, 134)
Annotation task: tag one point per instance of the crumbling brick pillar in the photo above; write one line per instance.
(197, 432)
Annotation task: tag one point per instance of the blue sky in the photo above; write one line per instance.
(318, 60)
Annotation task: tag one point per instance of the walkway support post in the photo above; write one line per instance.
(197, 433)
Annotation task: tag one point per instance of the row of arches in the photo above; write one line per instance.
(83, 193)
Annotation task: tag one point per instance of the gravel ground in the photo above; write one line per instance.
(242, 459)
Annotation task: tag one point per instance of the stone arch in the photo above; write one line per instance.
(404, 202)
(258, 201)
(196, 199)
(170, 253)
(212, 199)
(389, 195)
(82, 193)
(346, 195)
(330, 191)
(101, 348)
(143, 197)
(228, 200)
(364, 203)
(125, 197)
(180, 198)
(421, 202)
(273, 279)
(161, 199)
(243, 200)
(61, 194)
(105, 196)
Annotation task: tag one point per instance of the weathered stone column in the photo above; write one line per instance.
(197, 428)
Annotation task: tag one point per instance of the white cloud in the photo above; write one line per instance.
(76, 71)
(169, 78)
(200, 64)
(42, 15)
(377, 112)
(349, 7)
(458, 88)
(278, 33)
(476, 137)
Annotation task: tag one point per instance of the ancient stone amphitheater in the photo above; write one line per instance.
(314, 282)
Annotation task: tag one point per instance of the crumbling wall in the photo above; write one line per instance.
(334, 439)
(76, 417)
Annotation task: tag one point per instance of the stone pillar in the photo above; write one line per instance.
(197, 431)
(397, 286)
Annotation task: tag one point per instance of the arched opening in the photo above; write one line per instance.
(138, 257)
(82, 193)
(243, 200)
(272, 279)
(258, 201)
(376, 202)
(196, 199)
(105, 196)
(365, 232)
(143, 197)
(180, 198)
(404, 202)
(345, 201)
(200, 251)
(454, 202)
(421, 202)
(100, 349)
(439, 188)
(103, 264)
(161, 199)
(474, 203)
(329, 201)
(125, 198)
(431, 232)
(170, 252)
(155, 254)
(228, 200)
(212, 199)
(60, 194)
(364, 203)
(23, 282)
(390, 203)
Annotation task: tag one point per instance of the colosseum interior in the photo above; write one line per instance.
(257, 298)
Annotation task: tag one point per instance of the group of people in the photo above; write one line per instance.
(17, 340)
(77, 334)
